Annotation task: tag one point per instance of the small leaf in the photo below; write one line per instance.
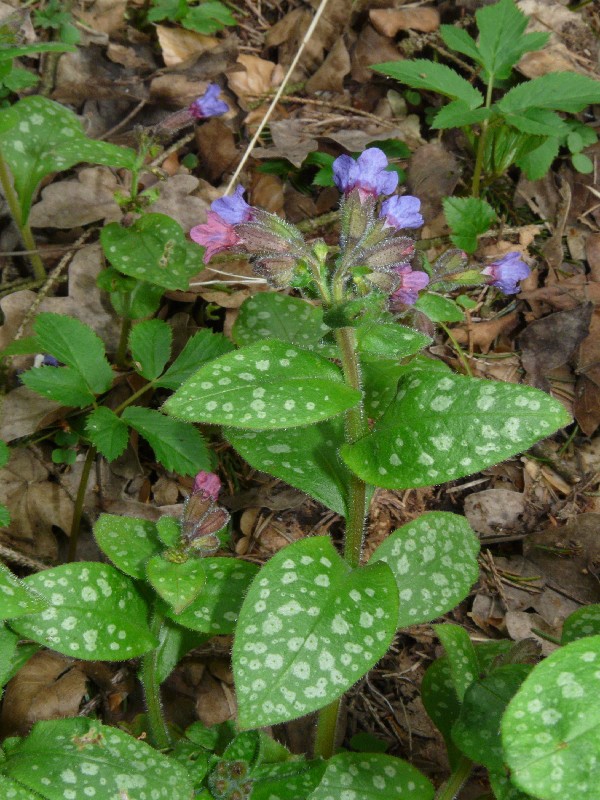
(558, 91)
(16, 598)
(153, 249)
(583, 622)
(468, 217)
(434, 561)
(13, 655)
(269, 315)
(72, 759)
(536, 163)
(150, 346)
(458, 39)
(296, 651)
(97, 613)
(390, 340)
(216, 609)
(464, 667)
(267, 385)
(582, 163)
(374, 776)
(422, 74)
(178, 446)
(107, 432)
(457, 114)
(551, 728)
(443, 427)
(503, 788)
(438, 308)
(62, 384)
(201, 347)
(128, 542)
(177, 584)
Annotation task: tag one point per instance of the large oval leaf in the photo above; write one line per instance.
(128, 541)
(434, 561)
(551, 728)
(269, 315)
(309, 628)
(96, 613)
(264, 386)
(16, 598)
(444, 427)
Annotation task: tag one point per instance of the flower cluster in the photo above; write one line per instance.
(218, 232)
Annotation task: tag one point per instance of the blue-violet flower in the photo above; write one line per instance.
(402, 212)
(367, 174)
(233, 209)
(507, 272)
(209, 105)
(411, 282)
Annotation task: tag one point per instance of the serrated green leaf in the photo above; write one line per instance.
(539, 122)
(551, 728)
(458, 39)
(8, 53)
(464, 666)
(141, 301)
(390, 340)
(216, 610)
(468, 217)
(583, 622)
(203, 346)
(423, 74)
(295, 651)
(80, 758)
(558, 91)
(4, 516)
(434, 561)
(306, 458)
(150, 346)
(444, 427)
(16, 598)
(62, 384)
(476, 732)
(128, 541)
(96, 613)
(177, 445)
(457, 114)
(39, 136)
(208, 18)
(439, 308)
(536, 163)
(267, 385)
(24, 346)
(107, 432)
(153, 249)
(269, 315)
(374, 776)
(179, 584)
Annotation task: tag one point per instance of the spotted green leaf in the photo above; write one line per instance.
(434, 561)
(476, 732)
(4, 453)
(217, 607)
(16, 598)
(293, 780)
(267, 385)
(39, 136)
(309, 628)
(441, 703)
(11, 790)
(73, 759)
(551, 728)
(269, 315)
(373, 776)
(389, 340)
(96, 613)
(583, 622)
(444, 427)
(153, 249)
(380, 379)
(107, 432)
(179, 584)
(504, 789)
(150, 345)
(306, 458)
(464, 667)
(128, 541)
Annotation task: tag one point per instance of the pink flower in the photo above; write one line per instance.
(411, 282)
(215, 235)
(208, 484)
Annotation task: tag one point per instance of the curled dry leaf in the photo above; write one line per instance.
(71, 203)
(178, 44)
(481, 335)
(390, 21)
(329, 77)
(259, 78)
(177, 201)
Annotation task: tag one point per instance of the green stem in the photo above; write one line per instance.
(119, 409)
(450, 790)
(159, 733)
(39, 270)
(326, 732)
(459, 351)
(79, 500)
(476, 185)
(122, 348)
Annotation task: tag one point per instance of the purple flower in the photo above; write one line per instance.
(208, 484)
(506, 272)
(411, 282)
(402, 212)
(233, 209)
(215, 235)
(367, 174)
(209, 104)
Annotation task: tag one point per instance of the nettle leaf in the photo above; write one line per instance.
(458, 39)
(373, 776)
(476, 732)
(178, 446)
(468, 217)
(558, 91)
(217, 607)
(306, 458)
(457, 114)
(583, 622)
(61, 384)
(153, 249)
(309, 628)
(71, 759)
(107, 432)
(97, 613)
(551, 728)
(444, 427)
(201, 347)
(267, 385)
(150, 346)
(423, 74)
(390, 340)
(536, 163)
(434, 561)
(128, 541)
(16, 598)
(175, 642)
(179, 584)
(269, 315)
(464, 666)
(438, 308)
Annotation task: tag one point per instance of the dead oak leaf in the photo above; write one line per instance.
(72, 203)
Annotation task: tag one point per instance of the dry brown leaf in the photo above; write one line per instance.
(86, 74)
(267, 193)
(24, 412)
(371, 48)
(213, 703)
(177, 201)
(178, 44)
(129, 57)
(217, 148)
(71, 203)
(522, 625)
(389, 21)
(329, 77)
(481, 335)
(290, 140)
(494, 511)
(107, 16)
(260, 77)
(433, 173)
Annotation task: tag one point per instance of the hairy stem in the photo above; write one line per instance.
(39, 270)
(452, 787)
(476, 185)
(159, 733)
(79, 500)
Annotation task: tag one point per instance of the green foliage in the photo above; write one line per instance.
(53, 16)
(438, 308)
(16, 598)
(150, 347)
(269, 315)
(202, 347)
(468, 217)
(583, 622)
(389, 340)
(208, 17)
(178, 583)
(107, 432)
(128, 541)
